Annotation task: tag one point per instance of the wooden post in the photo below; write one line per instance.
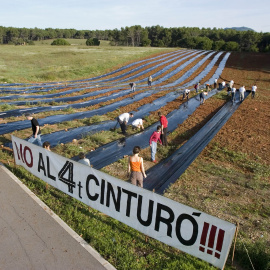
(235, 237)
(14, 160)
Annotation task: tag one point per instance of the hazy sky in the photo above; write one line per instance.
(109, 14)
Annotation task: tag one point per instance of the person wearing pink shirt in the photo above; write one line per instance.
(155, 137)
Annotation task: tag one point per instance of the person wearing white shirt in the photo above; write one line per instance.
(83, 160)
(215, 83)
(222, 85)
(253, 90)
(186, 94)
(123, 120)
(138, 123)
(242, 91)
(233, 94)
(230, 85)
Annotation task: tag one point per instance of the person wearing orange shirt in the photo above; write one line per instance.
(136, 170)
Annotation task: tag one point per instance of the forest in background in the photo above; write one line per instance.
(154, 36)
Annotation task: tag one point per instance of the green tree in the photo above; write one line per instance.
(264, 44)
(145, 41)
(249, 41)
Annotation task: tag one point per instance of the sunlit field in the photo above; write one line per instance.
(43, 62)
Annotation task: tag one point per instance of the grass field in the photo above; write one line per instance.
(42, 62)
(226, 180)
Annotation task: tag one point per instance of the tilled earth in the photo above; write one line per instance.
(225, 185)
(224, 180)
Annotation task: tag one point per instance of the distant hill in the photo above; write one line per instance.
(243, 28)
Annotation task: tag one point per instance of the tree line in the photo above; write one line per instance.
(155, 36)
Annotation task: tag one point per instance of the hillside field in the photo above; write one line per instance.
(230, 179)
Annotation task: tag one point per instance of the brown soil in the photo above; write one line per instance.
(230, 197)
(246, 132)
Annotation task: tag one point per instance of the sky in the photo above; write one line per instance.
(114, 14)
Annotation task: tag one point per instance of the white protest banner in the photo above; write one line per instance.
(172, 223)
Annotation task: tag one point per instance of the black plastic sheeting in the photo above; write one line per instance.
(24, 96)
(175, 61)
(161, 176)
(219, 69)
(52, 84)
(160, 61)
(193, 69)
(19, 125)
(77, 133)
(178, 69)
(208, 68)
(9, 127)
(19, 112)
(115, 150)
(42, 98)
(113, 79)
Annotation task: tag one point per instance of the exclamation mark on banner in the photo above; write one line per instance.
(211, 240)
(204, 236)
(220, 239)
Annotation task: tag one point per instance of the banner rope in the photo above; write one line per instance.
(247, 252)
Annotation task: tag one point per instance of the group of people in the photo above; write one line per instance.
(133, 84)
(231, 89)
(136, 168)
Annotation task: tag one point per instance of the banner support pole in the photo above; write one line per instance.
(235, 237)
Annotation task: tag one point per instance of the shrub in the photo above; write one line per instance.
(258, 252)
(30, 42)
(92, 42)
(60, 42)
(218, 45)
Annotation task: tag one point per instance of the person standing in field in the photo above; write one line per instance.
(123, 120)
(242, 91)
(233, 94)
(150, 79)
(197, 86)
(164, 128)
(253, 91)
(155, 137)
(223, 84)
(35, 137)
(215, 83)
(136, 170)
